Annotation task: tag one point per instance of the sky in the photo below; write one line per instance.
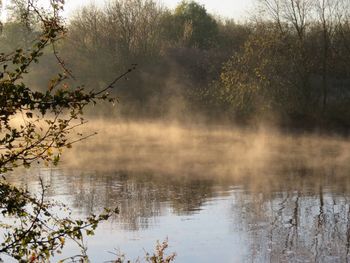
(236, 9)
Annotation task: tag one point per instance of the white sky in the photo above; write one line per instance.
(236, 9)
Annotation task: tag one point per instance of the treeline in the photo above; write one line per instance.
(290, 62)
(295, 65)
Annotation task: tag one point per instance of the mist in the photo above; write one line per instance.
(171, 148)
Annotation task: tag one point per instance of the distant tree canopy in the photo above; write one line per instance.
(194, 26)
(291, 60)
(159, 40)
(294, 63)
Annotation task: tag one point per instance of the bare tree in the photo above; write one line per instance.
(135, 26)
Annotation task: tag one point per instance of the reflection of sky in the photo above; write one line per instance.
(201, 237)
(196, 236)
(211, 222)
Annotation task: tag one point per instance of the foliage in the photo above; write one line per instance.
(158, 256)
(264, 76)
(291, 60)
(104, 40)
(290, 64)
(35, 233)
(194, 25)
(35, 126)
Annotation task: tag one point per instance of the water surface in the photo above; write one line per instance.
(217, 195)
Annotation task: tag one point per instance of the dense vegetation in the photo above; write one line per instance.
(35, 126)
(289, 63)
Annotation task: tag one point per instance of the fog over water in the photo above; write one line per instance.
(172, 149)
(218, 193)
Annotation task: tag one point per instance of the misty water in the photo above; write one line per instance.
(218, 194)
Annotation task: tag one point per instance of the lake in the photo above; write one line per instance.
(218, 194)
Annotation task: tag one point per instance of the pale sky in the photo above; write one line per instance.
(236, 9)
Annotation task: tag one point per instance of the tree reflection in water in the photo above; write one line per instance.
(301, 215)
(302, 221)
